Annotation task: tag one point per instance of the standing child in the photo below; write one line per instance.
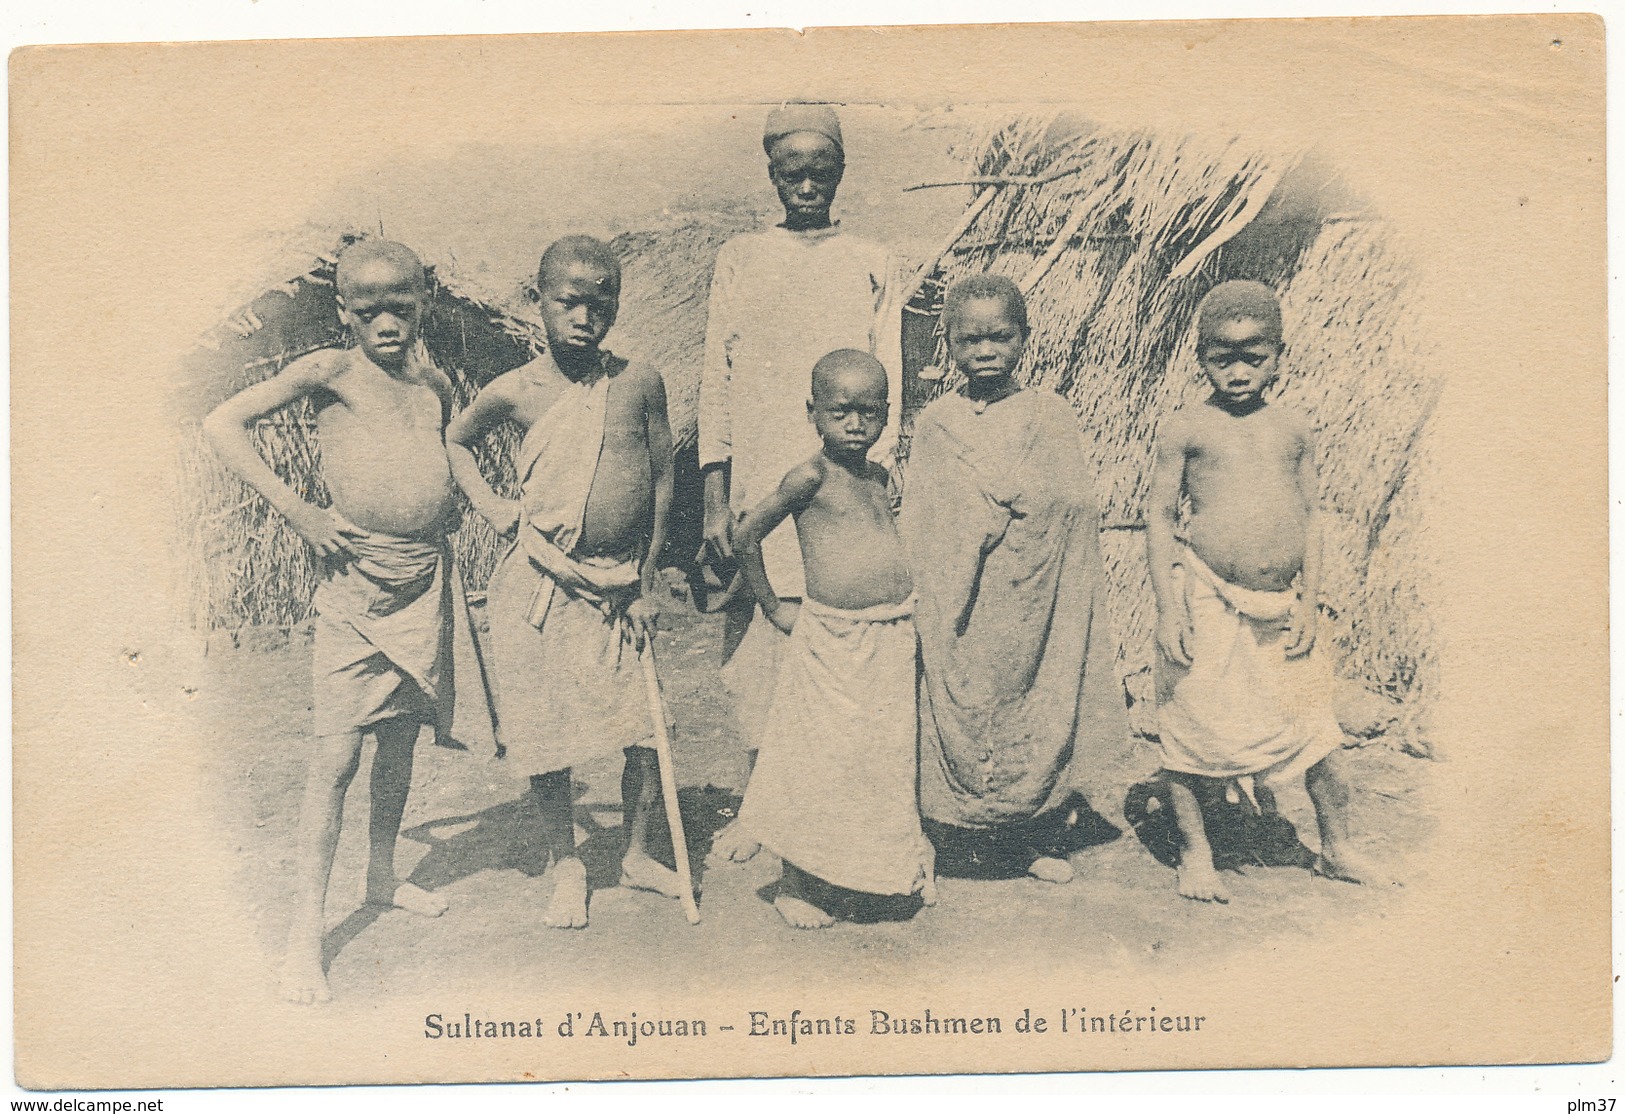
(392, 632)
(1241, 695)
(833, 795)
(569, 603)
(1021, 710)
(782, 297)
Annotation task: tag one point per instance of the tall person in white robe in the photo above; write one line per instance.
(782, 298)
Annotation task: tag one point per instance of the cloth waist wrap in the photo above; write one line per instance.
(608, 583)
(401, 600)
(1243, 708)
(569, 689)
(834, 792)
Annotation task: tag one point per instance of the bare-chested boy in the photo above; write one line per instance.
(569, 604)
(391, 624)
(1240, 693)
(834, 795)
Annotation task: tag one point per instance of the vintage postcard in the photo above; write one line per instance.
(873, 551)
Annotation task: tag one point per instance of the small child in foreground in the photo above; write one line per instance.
(1241, 694)
(393, 643)
(833, 794)
(569, 604)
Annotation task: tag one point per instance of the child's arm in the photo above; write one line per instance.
(716, 409)
(1306, 612)
(794, 494)
(227, 428)
(718, 527)
(490, 408)
(887, 336)
(1162, 514)
(440, 384)
(657, 429)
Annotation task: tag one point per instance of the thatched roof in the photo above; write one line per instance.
(298, 313)
(666, 285)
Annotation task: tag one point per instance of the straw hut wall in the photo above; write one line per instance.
(244, 566)
(666, 283)
(1115, 236)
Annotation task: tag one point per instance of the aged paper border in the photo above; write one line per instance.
(65, 476)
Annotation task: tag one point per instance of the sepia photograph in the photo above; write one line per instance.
(755, 554)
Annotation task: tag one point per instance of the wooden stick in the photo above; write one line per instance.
(668, 780)
(967, 219)
(1000, 180)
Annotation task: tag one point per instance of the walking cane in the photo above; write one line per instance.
(668, 779)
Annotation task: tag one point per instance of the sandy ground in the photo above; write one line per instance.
(465, 835)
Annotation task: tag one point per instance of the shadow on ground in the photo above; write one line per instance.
(1240, 836)
(508, 836)
(1007, 851)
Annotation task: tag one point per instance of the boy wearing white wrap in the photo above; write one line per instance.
(1241, 694)
(570, 603)
(834, 793)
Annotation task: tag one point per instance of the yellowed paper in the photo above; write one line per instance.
(1447, 171)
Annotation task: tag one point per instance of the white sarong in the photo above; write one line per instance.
(1242, 708)
(568, 686)
(393, 639)
(834, 790)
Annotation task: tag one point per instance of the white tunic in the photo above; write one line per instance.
(780, 301)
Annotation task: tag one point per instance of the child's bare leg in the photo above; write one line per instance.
(640, 781)
(928, 873)
(568, 907)
(1337, 859)
(792, 902)
(732, 843)
(1198, 879)
(333, 764)
(391, 780)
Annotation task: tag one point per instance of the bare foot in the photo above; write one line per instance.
(928, 878)
(733, 845)
(1048, 869)
(640, 872)
(414, 899)
(1200, 882)
(568, 908)
(1349, 866)
(801, 914)
(303, 981)
(928, 888)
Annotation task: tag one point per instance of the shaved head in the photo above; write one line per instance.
(847, 366)
(379, 262)
(579, 249)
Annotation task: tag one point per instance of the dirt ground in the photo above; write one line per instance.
(466, 835)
